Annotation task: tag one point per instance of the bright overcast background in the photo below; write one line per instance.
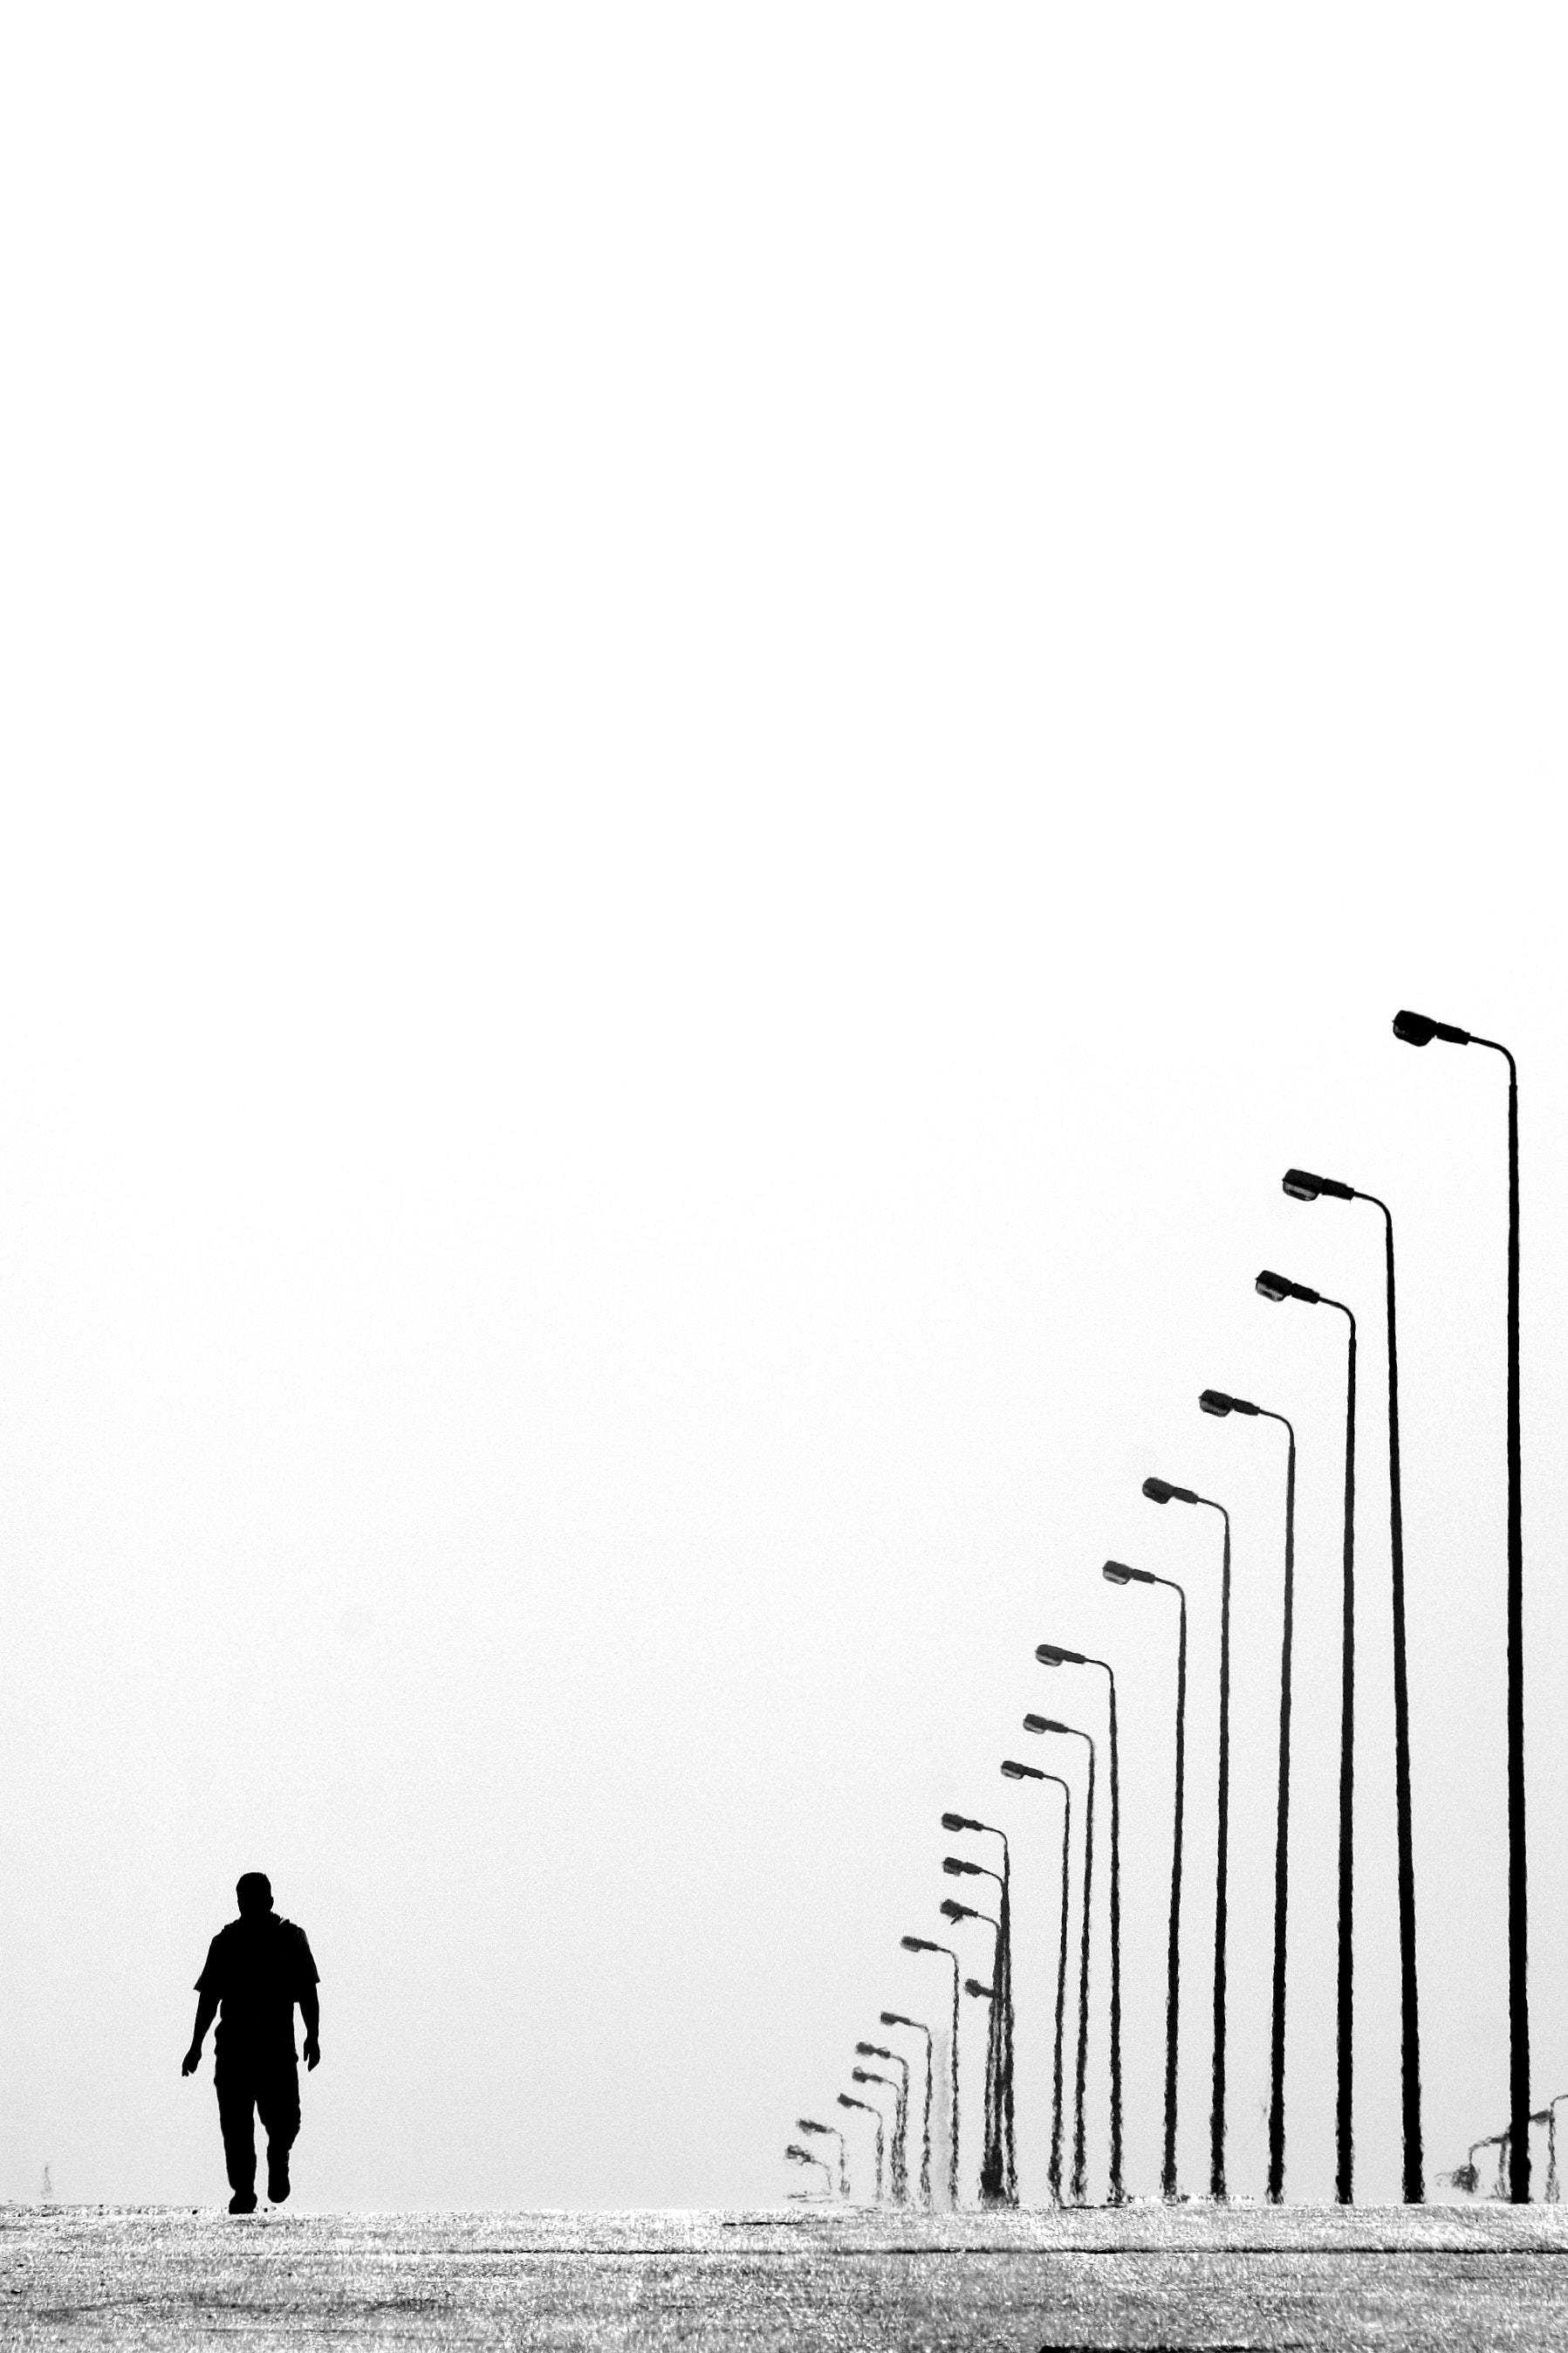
(720, 725)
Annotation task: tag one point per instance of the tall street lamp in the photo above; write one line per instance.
(1417, 1029)
(1302, 1185)
(1016, 1772)
(900, 2171)
(876, 2115)
(924, 1945)
(1277, 1287)
(1079, 2162)
(1118, 1572)
(1218, 1403)
(999, 2161)
(1162, 1491)
(1052, 1654)
(808, 2124)
(896, 2018)
(900, 2179)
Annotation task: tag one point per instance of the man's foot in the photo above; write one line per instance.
(243, 2202)
(278, 2176)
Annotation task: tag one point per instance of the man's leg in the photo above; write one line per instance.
(235, 2103)
(278, 2102)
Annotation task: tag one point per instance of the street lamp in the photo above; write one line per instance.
(1014, 1771)
(1467, 2177)
(1079, 2161)
(1302, 1185)
(924, 1945)
(808, 2124)
(896, 2018)
(799, 2156)
(998, 2163)
(901, 2179)
(901, 2136)
(1162, 1491)
(1218, 1403)
(876, 2114)
(1419, 1029)
(1548, 2117)
(1277, 1287)
(1118, 1572)
(1052, 1654)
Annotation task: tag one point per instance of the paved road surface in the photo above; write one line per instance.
(1447, 2277)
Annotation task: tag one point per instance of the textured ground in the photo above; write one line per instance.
(155, 2276)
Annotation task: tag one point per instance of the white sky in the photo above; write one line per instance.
(720, 726)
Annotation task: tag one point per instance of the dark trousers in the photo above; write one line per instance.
(249, 2088)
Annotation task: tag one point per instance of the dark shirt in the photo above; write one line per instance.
(258, 1969)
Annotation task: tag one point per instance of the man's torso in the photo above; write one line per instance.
(258, 1969)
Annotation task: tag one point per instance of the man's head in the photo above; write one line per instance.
(254, 1894)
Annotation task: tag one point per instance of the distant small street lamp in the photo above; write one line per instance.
(924, 1945)
(844, 2101)
(896, 2018)
(808, 2124)
(799, 2156)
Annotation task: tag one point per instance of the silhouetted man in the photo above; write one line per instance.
(257, 1967)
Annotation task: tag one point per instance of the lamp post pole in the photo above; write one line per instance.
(1051, 1654)
(900, 2183)
(1117, 1572)
(876, 2115)
(1302, 1185)
(1277, 1287)
(924, 1945)
(896, 2018)
(1162, 1491)
(1216, 1401)
(1071, 1731)
(1016, 1772)
(1417, 1029)
(999, 2162)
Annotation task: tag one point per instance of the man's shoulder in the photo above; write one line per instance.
(295, 1936)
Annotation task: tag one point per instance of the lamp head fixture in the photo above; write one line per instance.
(952, 1909)
(1044, 1724)
(1277, 1287)
(1016, 1772)
(981, 1992)
(957, 1868)
(1419, 1029)
(918, 1945)
(1218, 1403)
(1161, 1490)
(961, 1822)
(1302, 1185)
(1120, 1572)
(1051, 1654)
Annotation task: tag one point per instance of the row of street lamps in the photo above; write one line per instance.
(1301, 1185)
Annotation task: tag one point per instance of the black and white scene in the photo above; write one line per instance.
(784, 1175)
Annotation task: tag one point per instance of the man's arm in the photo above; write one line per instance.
(207, 2011)
(311, 2011)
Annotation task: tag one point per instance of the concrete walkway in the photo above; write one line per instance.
(1447, 2277)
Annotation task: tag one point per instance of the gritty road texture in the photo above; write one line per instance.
(1445, 2277)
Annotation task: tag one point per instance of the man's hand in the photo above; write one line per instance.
(192, 2060)
(312, 2052)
